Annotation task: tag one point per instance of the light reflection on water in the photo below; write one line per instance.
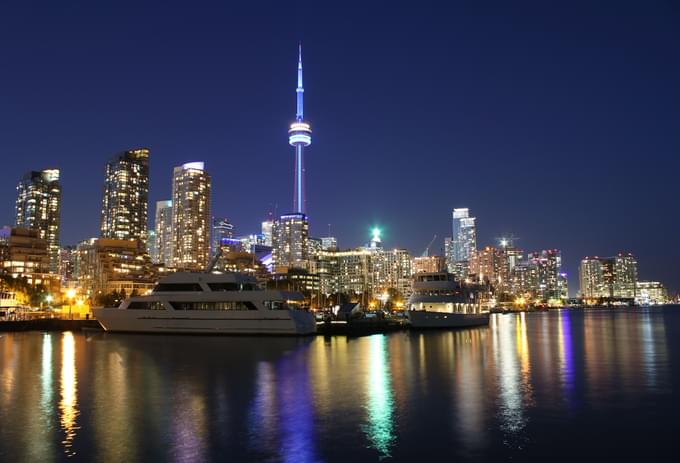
(491, 393)
(380, 405)
(68, 405)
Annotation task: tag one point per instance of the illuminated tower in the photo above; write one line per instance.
(299, 136)
(126, 195)
(190, 217)
(38, 207)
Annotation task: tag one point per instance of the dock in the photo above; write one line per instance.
(48, 324)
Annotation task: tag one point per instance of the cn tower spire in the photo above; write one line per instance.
(300, 89)
(299, 136)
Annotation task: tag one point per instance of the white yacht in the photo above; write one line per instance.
(205, 303)
(439, 301)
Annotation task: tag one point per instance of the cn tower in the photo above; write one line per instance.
(299, 136)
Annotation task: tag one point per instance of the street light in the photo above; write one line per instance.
(70, 294)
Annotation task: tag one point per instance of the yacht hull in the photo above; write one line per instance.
(284, 322)
(421, 319)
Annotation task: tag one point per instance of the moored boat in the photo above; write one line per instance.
(204, 303)
(439, 301)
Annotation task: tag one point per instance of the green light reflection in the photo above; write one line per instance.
(380, 406)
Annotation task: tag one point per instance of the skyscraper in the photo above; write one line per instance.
(38, 207)
(126, 194)
(464, 240)
(191, 216)
(290, 244)
(299, 136)
(591, 278)
(548, 264)
(609, 276)
(221, 228)
(163, 227)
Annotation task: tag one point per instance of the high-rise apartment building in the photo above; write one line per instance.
(221, 229)
(126, 195)
(428, 264)
(106, 266)
(591, 278)
(625, 276)
(163, 228)
(613, 277)
(152, 245)
(548, 264)
(290, 245)
(464, 239)
(38, 207)
(191, 216)
(486, 265)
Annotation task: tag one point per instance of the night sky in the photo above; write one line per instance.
(558, 123)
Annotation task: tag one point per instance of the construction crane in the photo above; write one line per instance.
(426, 252)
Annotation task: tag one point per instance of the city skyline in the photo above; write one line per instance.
(586, 214)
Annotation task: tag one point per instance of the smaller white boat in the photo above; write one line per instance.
(439, 301)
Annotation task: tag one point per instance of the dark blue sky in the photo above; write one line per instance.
(558, 123)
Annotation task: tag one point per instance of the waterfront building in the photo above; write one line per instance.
(234, 260)
(524, 279)
(290, 243)
(126, 191)
(464, 240)
(428, 264)
(651, 293)
(38, 207)
(364, 271)
(299, 136)
(221, 229)
(355, 271)
(625, 276)
(610, 277)
(509, 257)
(163, 229)
(591, 278)
(548, 264)
(23, 254)
(191, 217)
(485, 265)
(562, 286)
(298, 279)
(107, 266)
(393, 270)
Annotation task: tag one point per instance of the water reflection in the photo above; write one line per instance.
(297, 411)
(46, 374)
(189, 424)
(566, 355)
(538, 383)
(281, 416)
(68, 406)
(468, 376)
(514, 381)
(380, 406)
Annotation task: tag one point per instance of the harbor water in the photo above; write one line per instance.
(562, 385)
